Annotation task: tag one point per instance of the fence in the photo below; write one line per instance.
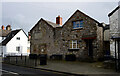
(22, 60)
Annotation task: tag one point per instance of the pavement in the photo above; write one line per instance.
(77, 67)
(67, 67)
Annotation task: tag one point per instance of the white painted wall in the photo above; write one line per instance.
(2, 50)
(2, 38)
(13, 43)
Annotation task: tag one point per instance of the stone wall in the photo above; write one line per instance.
(42, 37)
(90, 29)
(57, 40)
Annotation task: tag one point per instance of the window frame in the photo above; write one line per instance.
(18, 48)
(75, 24)
(74, 42)
(17, 38)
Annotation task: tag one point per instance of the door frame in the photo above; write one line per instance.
(89, 47)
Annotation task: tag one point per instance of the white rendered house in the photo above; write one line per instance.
(16, 43)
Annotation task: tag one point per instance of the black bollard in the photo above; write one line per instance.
(16, 59)
(21, 56)
(25, 60)
(35, 61)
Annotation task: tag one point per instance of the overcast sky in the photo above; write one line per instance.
(26, 14)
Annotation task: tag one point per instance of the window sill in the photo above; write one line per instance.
(73, 49)
(77, 28)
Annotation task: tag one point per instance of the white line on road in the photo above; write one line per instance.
(8, 71)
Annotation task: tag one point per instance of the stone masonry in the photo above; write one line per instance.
(51, 38)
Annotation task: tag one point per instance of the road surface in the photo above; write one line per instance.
(11, 70)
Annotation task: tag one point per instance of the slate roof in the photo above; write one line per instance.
(54, 25)
(4, 33)
(10, 36)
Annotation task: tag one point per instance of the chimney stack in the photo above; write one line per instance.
(8, 27)
(2, 27)
(59, 20)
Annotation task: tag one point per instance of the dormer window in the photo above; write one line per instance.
(18, 38)
(78, 24)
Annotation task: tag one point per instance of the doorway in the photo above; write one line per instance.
(89, 47)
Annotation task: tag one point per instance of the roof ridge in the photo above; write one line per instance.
(54, 25)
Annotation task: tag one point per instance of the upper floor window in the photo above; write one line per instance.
(73, 44)
(78, 24)
(18, 38)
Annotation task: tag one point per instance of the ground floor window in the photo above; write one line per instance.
(18, 48)
(73, 44)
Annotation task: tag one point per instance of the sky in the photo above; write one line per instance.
(24, 15)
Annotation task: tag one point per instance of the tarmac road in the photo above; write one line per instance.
(11, 70)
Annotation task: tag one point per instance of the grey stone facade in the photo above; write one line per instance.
(55, 39)
(114, 20)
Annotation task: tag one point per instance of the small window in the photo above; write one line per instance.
(18, 38)
(28, 48)
(73, 44)
(77, 24)
(18, 48)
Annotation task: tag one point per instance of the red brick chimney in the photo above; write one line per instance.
(59, 20)
(2, 27)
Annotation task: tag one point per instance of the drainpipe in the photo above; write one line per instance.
(115, 57)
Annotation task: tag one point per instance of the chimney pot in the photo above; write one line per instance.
(8, 27)
(59, 20)
(2, 27)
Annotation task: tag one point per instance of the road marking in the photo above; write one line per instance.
(8, 72)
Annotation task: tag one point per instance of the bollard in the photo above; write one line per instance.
(21, 56)
(35, 61)
(25, 60)
(16, 59)
(9, 59)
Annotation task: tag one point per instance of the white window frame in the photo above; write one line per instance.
(76, 42)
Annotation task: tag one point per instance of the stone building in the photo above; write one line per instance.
(80, 35)
(106, 39)
(114, 20)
